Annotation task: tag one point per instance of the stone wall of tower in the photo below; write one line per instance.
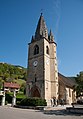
(47, 72)
(38, 70)
(53, 71)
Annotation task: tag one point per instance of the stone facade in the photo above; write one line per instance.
(42, 65)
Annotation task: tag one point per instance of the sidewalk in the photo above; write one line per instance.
(58, 110)
(59, 107)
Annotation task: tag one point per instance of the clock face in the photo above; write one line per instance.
(35, 63)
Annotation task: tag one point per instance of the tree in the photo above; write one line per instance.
(1, 83)
(79, 87)
(23, 87)
(11, 73)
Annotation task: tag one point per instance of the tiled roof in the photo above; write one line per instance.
(11, 85)
(67, 81)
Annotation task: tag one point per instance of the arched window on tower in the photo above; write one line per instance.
(47, 50)
(36, 49)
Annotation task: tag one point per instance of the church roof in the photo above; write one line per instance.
(66, 81)
(41, 29)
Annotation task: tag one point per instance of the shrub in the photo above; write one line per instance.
(33, 102)
(0, 99)
(8, 98)
(80, 102)
(19, 97)
(6, 102)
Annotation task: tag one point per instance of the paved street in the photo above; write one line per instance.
(7, 112)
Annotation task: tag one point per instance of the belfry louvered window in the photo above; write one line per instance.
(36, 49)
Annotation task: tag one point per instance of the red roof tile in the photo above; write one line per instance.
(11, 85)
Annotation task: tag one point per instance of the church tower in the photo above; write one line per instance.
(42, 64)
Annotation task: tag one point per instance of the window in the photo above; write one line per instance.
(36, 49)
(35, 78)
(47, 50)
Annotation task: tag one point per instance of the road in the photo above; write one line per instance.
(7, 112)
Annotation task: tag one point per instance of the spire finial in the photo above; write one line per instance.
(41, 12)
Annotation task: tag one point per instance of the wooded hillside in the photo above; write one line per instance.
(11, 73)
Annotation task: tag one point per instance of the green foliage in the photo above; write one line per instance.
(79, 78)
(1, 83)
(11, 73)
(33, 102)
(79, 87)
(19, 97)
(8, 71)
(9, 97)
(80, 102)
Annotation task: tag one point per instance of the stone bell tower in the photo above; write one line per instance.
(42, 64)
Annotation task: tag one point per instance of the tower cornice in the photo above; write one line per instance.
(42, 39)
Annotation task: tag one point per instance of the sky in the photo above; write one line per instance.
(18, 22)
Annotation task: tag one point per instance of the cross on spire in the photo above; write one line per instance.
(41, 12)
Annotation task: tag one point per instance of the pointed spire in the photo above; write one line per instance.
(41, 30)
(50, 36)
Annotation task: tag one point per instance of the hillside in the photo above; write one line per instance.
(11, 73)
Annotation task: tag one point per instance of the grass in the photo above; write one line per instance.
(20, 95)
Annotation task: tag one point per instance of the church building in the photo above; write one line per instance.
(43, 80)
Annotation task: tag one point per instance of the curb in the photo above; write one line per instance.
(30, 107)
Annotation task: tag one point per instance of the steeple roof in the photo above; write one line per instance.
(50, 36)
(41, 30)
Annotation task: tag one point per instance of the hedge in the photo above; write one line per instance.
(8, 98)
(80, 102)
(33, 102)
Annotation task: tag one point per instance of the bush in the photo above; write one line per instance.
(6, 102)
(20, 96)
(0, 99)
(80, 102)
(8, 98)
(33, 102)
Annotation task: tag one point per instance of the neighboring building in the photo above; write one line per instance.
(7, 87)
(11, 86)
(43, 80)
